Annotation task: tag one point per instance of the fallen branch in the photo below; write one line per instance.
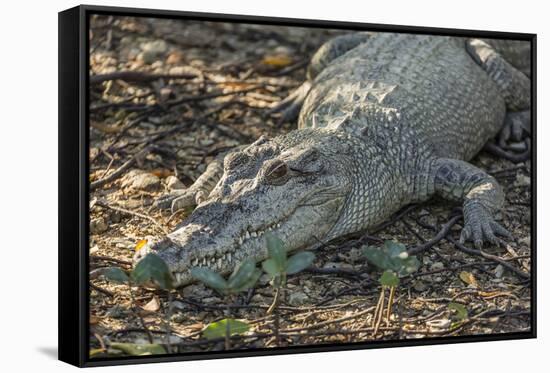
(119, 171)
(335, 271)
(490, 257)
(136, 76)
(438, 237)
(203, 306)
(110, 259)
(194, 98)
(329, 322)
(130, 212)
(103, 291)
(126, 101)
(289, 69)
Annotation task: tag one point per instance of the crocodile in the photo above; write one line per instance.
(385, 120)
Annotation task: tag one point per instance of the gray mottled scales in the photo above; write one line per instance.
(384, 120)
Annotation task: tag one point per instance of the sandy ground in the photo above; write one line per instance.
(240, 71)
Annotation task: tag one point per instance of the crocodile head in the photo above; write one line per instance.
(289, 186)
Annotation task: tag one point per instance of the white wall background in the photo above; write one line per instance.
(28, 183)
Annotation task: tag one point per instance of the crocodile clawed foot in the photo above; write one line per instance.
(515, 131)
(189, 199)
(480, 227)
(164, 202)
(179, 199)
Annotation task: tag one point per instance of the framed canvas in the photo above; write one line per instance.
(236, 186)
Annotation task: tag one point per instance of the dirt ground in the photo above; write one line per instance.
(148, 135)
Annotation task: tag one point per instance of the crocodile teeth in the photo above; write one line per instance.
(228, 257)
(278, 225)
(204, 261)
(219, 263)
(240, 240)
(247, 235)
(195, 262)
(254, 234)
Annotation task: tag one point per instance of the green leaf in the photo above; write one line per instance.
(389, 278)
(241, 274)
(152, 268)
(250, 283)
(408, 266)
(299, 262)
(271, 268)
(139, 349)
(218, 329)
(461, 311)
(115, 274)
(395, 249)
(276, 250)
(377, 257)
(392, 256)
(209, 278)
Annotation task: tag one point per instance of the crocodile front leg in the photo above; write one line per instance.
(480, 193)
(196, 193)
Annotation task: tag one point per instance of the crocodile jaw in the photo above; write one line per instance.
(194, 245)
(302, 207)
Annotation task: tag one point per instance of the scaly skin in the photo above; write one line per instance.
(386, 120)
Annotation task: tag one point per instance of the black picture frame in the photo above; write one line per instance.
(74, 189)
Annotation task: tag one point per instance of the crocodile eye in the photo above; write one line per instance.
(277, 171)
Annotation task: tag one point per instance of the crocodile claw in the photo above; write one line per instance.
(480, 227)
(165, 201)
(188, 199)
(516, 128)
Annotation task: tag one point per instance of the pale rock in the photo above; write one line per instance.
(297, 298)
(141, 180)
(173, 182)
(522, 180)
(94, 250)
(211, 300)
(195, 291)
(98, 225)
(499, 271)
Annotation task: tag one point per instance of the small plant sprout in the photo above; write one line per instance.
(243, 278)
(151, 270)
(460, 316)
(278, 267)
(393, 258)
